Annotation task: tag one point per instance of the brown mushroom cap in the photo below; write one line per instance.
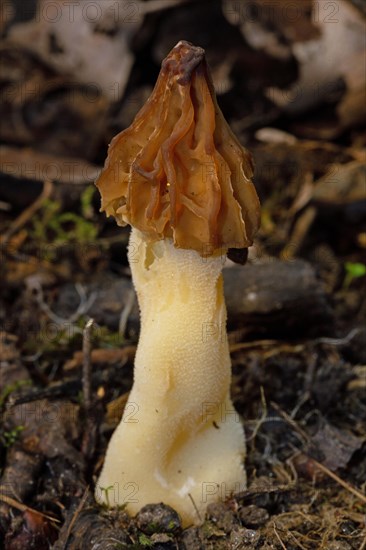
(178, 171)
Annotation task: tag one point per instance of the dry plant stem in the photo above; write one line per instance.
(184, 439)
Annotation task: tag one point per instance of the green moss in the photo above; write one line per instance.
(10, 388)
(10, 437)
(145, 541)
(353, 271)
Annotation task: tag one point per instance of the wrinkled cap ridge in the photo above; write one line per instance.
(178, 171)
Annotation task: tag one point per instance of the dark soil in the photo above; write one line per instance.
(298, 350)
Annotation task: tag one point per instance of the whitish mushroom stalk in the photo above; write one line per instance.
(182, 180)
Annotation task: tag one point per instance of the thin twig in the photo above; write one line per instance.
(86, 376)
(74, 517)
(89, 437)
(263, 418)
(339, 341)
(83, 307)
(297, 541)
(324, 469)
(27, 214)
(293, 347)
(256, 489)
(249, 345)
(195, 507)
(294, 425)
(299, 232)
(23, 508)
(278, 536)
(341, 482)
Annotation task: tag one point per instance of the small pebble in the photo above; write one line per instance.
(158, 518)
(253, 516)
(162, 541)
(221, 515)
(244, 538)
(191, 539)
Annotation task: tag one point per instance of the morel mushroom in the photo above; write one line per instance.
(182, 180)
